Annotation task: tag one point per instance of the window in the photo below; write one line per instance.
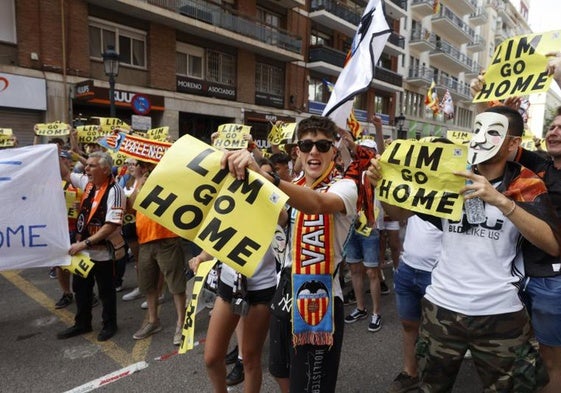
(189, 61)
(317, 91)
(270, 23)
(220, 68)
(8, 21)
(319, 38)
(269, 79)
(128, 42)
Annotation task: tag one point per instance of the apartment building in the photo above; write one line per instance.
(192, 64)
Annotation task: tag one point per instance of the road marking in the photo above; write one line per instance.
(119, 355)
(109, 378)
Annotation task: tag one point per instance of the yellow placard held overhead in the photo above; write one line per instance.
(89, 133)
(459, 137)
(419, 177)
(108, 124)
(190, 194)
(231, 136)
(56, 128)
(5, 132)
(518, 67)
(158, 134)
(281, 133)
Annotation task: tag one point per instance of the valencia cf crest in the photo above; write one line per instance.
(313, 301)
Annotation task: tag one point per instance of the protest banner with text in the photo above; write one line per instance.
(518, 67)
(419, 177)
(233, 220)
(33, 223)
(231, 136)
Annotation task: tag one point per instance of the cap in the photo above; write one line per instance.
(65, 154)
(370, 143)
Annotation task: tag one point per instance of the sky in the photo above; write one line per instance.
(544, 15)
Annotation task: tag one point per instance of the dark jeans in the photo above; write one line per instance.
(102, 273)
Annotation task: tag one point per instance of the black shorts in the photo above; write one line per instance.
(310, 367)
(261, 296)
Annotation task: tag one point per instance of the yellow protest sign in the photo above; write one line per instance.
(158, 134)
(419, 177)
(518, 67)
(56, 128)
(230, 136)
(108, 124)
(528, 143)
(118, 158)
(361, 225)
(89, 133)
(5, 133)
(459, 137)
(281, 133)
(188, 331)
(8, 141)
(190, 194)
(80, 264)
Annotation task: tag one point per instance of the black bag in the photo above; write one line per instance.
(281, 304)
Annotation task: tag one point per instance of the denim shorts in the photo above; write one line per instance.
(363, 249)
(542, 296)
(410, 285)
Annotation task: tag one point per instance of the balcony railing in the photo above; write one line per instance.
(397, 40)
(328, 55)
(388, 76)
(424, 73)
(231, 21)
(451, 51)
(400, 3)
(454, 19)
(333, 7)
(454, 86)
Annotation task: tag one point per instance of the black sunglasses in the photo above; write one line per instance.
(323, 145)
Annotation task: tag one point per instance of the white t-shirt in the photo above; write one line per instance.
(346, 189)
(474, 274)
(263, 278)
(422, 244)
(115, 207)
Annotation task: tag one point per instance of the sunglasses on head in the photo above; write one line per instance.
(323, 145)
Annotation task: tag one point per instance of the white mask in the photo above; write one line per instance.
(489, 133)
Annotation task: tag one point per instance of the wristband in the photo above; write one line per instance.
(276, 178)
(508, 213)
(88, 243)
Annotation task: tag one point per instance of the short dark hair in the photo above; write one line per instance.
(515, 120)
(315, 124)
(280, 158)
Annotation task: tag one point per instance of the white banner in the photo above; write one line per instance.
(33, 223)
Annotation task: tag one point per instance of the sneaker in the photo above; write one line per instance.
(65, 301)
(232, 356)
(144, 304)
(384, 290)
(236, 376)
(52, 273)
(132, 295)
(356, 315)
(177, 335)
(118, 288)
(95, 301)
(467, 355)
(349, 298)
(375, 323)
(403, 383)
(147, 330)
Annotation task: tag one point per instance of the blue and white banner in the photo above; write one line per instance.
(33, 223)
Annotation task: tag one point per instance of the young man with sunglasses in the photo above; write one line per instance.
(306, 346)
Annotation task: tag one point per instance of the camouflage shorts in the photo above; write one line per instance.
(503, 356)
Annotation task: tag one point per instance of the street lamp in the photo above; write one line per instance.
(399, 121)
(111, 67)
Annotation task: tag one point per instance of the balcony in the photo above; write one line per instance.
(395, 45)
(448, 58)
(476, 45)
(507, 13)
(459, 90)
(463, 7)
(208, 21)
(396, 8)
(479, 17)
(422, 8)
(335, 16)
(421, 40)
(474, 71)
(420, 76)
(326, 60)
(387, 80)
(449, 25)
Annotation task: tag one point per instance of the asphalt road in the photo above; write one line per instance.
(33, 360)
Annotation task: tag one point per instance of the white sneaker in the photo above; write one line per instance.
(132, 295)
(144, 304)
